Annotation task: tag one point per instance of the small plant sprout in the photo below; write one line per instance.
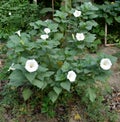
(77, 13)
(44, 36)
(11, 67)
(105, 64)
(80, 36)
(31, 65)
(71, 76)
(18, 32)
(47, 30)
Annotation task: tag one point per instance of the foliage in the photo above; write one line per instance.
(40, 59)
(57, 55)
(109, 13)
(16, 15)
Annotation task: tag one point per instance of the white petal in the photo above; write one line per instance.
(71, 76)
(47, 30)
(77, 13)
(18, 32)
(44, 36)
(105, 64)
(80, 36)
(31, 65)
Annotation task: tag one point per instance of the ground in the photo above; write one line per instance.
(114, 82)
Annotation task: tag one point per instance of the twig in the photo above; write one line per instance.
(105, 34)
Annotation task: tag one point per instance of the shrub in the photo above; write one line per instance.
(53, 58)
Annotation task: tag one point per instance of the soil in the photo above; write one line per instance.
(114, 82)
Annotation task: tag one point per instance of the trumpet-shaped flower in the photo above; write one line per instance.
(44, 36)
(80, 36)
(71, 76)
(18, 32)
(47, 30)
(31, 65)
(77, 13)
(105, 64)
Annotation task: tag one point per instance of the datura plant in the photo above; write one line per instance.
(52, 56)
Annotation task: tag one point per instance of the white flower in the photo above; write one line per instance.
(11, 67)
(18, 32)
(31, 65)
(44, 36)
(47, 30)
(71, 76)
(77, 13)
(105, 64)
(9, 13)
(35, 1)
(80, 36)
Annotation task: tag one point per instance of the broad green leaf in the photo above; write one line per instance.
(90, 24)
(19, 67)
(53, 27)
(60, 14)
(14, 41)
(34, 25)
(17, 78)
(42, 69)
(57, 90)
(53, 96)
(117, 19)
(40, 22)
(23, 60)
(60, 76)
(91, 94)
(48, 74)
(30, 76)
(90, 38)
(66, 85)
(58, 36)
(44, 10)
(38, 83)
(65, 67)
(26, 93)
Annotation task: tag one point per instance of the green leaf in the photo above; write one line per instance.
(91, 24)
(90, 38)
(117, 19)
(40, 22)
(38, 83)
(30, 76)
(45, 10)
(60, 14)
(13, 42)
(60, 76)
(17, 78)
(53, 96)
(57, 90)
(91, 94)
(66, 85)
(65, 67)
(26, 93)
(58, 36)
(42, 69)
